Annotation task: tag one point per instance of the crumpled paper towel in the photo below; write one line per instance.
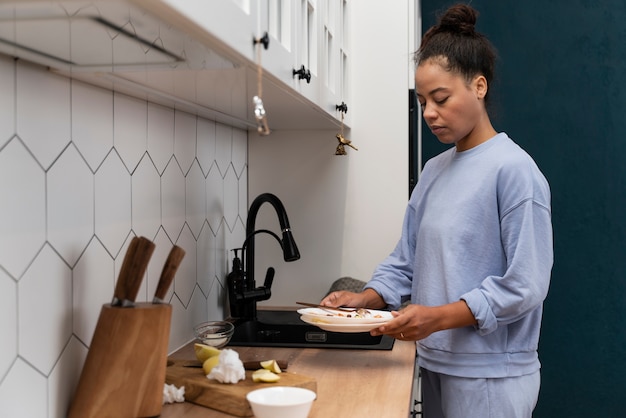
(229, 369)
(173, 394)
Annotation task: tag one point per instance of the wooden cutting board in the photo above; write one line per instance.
(227, 398)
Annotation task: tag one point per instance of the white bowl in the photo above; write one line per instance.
(281, 402)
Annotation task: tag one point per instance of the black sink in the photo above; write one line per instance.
(286, 329)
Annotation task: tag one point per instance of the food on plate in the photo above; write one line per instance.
(204, 352)
(265, 375)
(271, 365)
(358, 313)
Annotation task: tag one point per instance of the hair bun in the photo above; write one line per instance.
(459, 19)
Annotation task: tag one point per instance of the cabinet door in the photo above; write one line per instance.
(307, 56)
(276, 18)
(335, 56)
(228, 21)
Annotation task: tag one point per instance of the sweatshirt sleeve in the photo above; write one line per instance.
(393, 276)
(526, 233)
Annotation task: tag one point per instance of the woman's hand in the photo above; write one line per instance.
(365, 299)
(416, 322)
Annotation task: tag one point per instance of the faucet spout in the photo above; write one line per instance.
(246, 301)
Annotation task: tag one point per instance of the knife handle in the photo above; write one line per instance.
(172, 262)
(119, 294)
(145, 248)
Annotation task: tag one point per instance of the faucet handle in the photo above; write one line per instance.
(269, 278)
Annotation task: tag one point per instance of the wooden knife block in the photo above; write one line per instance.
(124, 373)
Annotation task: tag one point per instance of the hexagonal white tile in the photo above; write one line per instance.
(206, 144)
(70, 214)
(214, 198)
(195, 192)
(8, 322)
(160, 135)
(185, 280)
(44, 129)
(93, 287)
(216, 300)
(24, 392)
(231, 197)
(223, 146)
(7, 99)
(113, 203)
(243, 194)
(146, 199)
(172, 199)
(205, 259)
(64, 378)
(182, 334)
(185, 139)
(23, 220)
(130, 132)
(199, 309)
(240, 150)
(92, 122)
(45, 310)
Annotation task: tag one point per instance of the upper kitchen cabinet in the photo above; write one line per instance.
(195, 55)
(306, 57)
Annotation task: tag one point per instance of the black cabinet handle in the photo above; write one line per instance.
(303, 73)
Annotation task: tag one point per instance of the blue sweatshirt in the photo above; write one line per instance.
(477, 228)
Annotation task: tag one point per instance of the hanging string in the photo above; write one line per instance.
(341, 149)
(259, 110)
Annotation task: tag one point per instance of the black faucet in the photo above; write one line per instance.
(243, 293)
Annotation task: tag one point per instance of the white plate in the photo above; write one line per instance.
(338, 317)
(341, 327)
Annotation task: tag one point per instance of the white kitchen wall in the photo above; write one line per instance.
(345, 211)
(82, 171)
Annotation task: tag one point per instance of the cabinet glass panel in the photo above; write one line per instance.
(279, 19)
(331, 76)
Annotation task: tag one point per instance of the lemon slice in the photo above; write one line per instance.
(204, 352)
(271, 365)
(209, 363)
(264, 375)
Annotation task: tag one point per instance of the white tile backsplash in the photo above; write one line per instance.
(7, 100)
(130, 129)
(160, 135)
(184, 139)
(70, 216)
(23, 392)
(146, 199)
(8, 321)
(43, 112)
(112, 203)
(22, 207)
(44, 310)
(92, 125)
(82, 171)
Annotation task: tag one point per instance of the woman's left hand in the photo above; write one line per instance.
(416, 322)
(412, 323)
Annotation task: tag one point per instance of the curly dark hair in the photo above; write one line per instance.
(455, 44)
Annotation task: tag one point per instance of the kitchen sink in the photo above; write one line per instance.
(274, 328)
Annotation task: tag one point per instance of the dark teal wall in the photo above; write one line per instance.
(561, 95)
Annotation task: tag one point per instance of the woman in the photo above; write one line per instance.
(475, 254)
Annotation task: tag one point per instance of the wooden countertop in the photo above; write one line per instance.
(350, 383)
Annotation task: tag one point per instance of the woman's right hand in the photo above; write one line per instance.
(365, 299)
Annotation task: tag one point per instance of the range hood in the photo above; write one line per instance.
(118, 45)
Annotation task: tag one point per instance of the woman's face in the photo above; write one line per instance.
(453, 109)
